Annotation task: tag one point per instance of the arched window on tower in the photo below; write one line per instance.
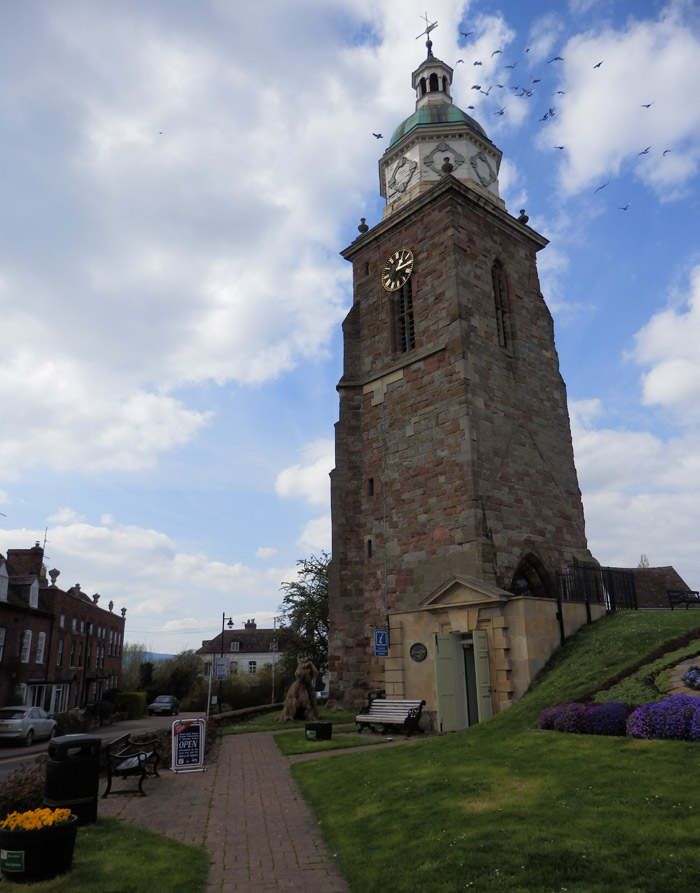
(403, 336)
(423, 87)
(531, 578)
(434, 83)
(501, 303)
(445, 85)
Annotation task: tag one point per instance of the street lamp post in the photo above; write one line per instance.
(230, 626)
(274, 653)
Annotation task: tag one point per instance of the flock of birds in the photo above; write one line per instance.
(528, 89)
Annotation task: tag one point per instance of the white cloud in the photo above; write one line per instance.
(601, 119)
(316, 535)
(668, 344)
(265, 552)
(65, 516)
(309, 479)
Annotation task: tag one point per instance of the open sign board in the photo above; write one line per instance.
(188, 744)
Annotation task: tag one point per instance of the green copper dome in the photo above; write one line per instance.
(439, 113)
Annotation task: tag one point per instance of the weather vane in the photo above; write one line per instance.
(429, 26)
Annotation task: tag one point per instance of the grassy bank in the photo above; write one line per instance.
(113, 856)
(504, 807)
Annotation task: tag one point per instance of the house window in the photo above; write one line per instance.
(40, 648)
(111, 640)
(71, 659)
(91, 628)
(233, 666)
(4, 579)
(273, 645)
(75, 624)
(403, 333)
(80, 654)
(235, 646)
(34, 594)
(119, 647)
(62, 621)
(82, 627)
(252, 666)
(59, 653)
(2, 641)
(26, 646)
(500, 297)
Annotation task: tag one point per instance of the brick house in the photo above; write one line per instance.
(58, 649)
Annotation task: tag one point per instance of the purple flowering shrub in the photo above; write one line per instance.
(691, 677)
(609, 718)
(678, 716)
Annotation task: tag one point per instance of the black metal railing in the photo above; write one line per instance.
(610, 586)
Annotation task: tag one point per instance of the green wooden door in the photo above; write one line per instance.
(446, 683)
(483, 674)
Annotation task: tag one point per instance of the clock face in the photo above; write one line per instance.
(397, 269)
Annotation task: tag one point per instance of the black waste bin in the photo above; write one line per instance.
(73, 775)
(318, 731)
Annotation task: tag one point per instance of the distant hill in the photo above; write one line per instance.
(154, 656)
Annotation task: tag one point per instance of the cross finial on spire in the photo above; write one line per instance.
(429, 26)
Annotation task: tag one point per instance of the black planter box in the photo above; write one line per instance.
(320, 731)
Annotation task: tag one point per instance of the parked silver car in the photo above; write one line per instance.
(25, 724)
(164, 705)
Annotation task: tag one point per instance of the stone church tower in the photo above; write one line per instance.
(454, 496)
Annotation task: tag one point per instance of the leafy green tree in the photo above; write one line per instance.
(133, 656)
(177, 675)
(303, 634)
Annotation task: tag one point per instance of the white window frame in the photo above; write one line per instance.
(34, 594)
(59, 653)
(40, 647)
(62, 621)
(252, 667)
(26, 646)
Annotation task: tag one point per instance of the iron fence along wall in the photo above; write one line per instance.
(609, 586)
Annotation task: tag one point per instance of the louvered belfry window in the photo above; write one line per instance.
(403, 334)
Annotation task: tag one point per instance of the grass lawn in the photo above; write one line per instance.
(295, 742)
(115, 857)
(502, 806)
(267, 722)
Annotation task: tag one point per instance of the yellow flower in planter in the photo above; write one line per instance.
(35, 819)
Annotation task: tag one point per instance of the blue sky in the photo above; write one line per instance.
(176, 181)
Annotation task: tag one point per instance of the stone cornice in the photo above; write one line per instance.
(444, 186)
(415, 357)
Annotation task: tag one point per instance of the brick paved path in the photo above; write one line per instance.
(247, 810)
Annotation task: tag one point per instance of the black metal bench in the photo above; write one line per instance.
(685, 597)
(390, 713)
(125, 758)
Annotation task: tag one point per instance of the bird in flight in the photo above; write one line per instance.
(556, 59)
(476, 86)
(560, 93)
(495, 53)
(666, 151)
(644, 151)
(377, 136)
(501, 111)
(513, 65)
(466, 33)
(485, 92)
(478, 63)
(648, 105)
(621, 208)
(458, 61)
(599, 188)
(598, 64)
(560, 147)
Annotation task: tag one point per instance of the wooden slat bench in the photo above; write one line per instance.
(391, 712)
(685, 597)
(125, 758)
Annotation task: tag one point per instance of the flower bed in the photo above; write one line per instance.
(678, 716)
(34, 819)
(691, 677)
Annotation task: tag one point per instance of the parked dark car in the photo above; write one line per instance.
(25, 724)
(164, 705)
